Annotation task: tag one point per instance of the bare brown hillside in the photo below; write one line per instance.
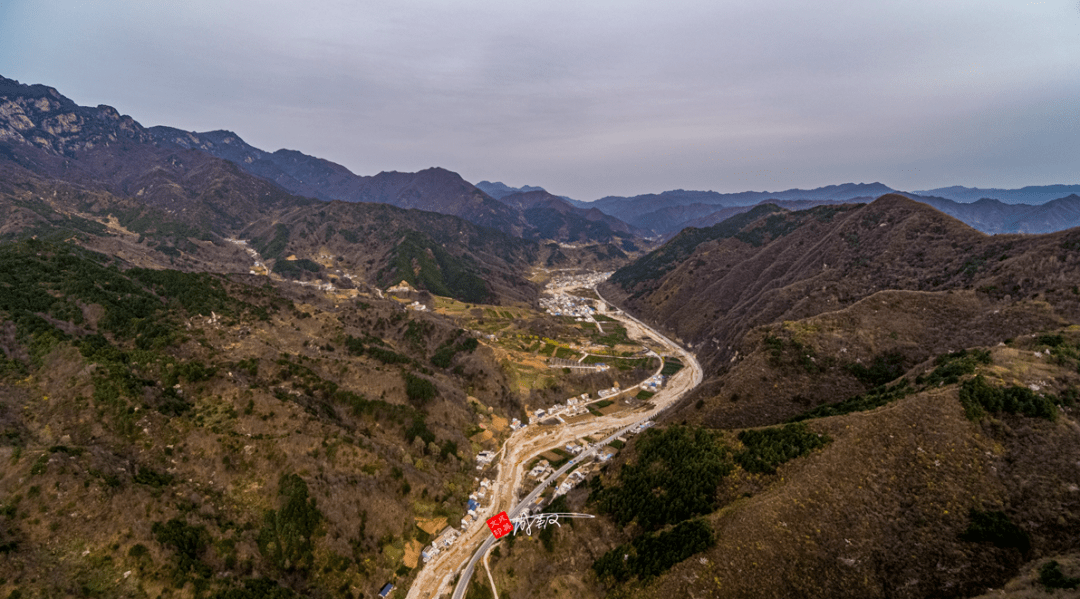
(791, 265)
(785, 368)
(885, 509)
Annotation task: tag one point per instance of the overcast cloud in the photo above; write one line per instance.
(592, 98)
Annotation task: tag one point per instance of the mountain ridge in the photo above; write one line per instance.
(187, 201)
(780, 264)
(1034, 194)
(435, 189)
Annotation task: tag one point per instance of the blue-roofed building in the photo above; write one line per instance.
(385, 592)
(473, 505)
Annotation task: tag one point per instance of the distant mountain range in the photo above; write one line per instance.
(1047, 209)
(498, 189)
(1033, 194)
(993, 216)
(433, 189)
(529, 212)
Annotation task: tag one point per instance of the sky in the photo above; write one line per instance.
(589, 98)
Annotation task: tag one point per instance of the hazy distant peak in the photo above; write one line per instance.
(499, 190)
(840, 191)
(1032, 194)
(438, 170)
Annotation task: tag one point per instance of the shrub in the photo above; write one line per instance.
(768, 448)
(1052, 341)
(387, 356)
(872, 399)
(1051, 577)
(152, 478)
(417, 331)
(674, 479)
(995, 527)
(40, 465)
(449, 448)
(188, 542)
(419, 389)
(884, 369)
(979, 397)
(285, 538)
(652, 554)
(256, 588)
(138, 551)
(950, 367)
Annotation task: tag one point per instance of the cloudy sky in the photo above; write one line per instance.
(591, 98)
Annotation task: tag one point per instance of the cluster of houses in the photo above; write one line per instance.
(570, 482)
(574, 448)
(474, 503)
(654, 383)
(541, 470)
(419, 307)
(608, 452)
(444, 540)
(573, 401)
(576, 365)
(579, 280)
(319, 284)
(402, 287)
(609, 392)
(448, 535)
(574, 478)
(569, 305)
(347, 283)
(256, 269)
(574, 406)
(483, 335)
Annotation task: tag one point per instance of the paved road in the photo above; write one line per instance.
(662, 400)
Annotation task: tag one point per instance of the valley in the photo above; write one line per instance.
(227, 373)
(538, 437)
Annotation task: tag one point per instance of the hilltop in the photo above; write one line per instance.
(770, 265)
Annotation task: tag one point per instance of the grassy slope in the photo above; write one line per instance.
(87, 475)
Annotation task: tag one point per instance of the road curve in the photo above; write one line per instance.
(677, 386)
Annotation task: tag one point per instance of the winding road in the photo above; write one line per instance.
(525, 444)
